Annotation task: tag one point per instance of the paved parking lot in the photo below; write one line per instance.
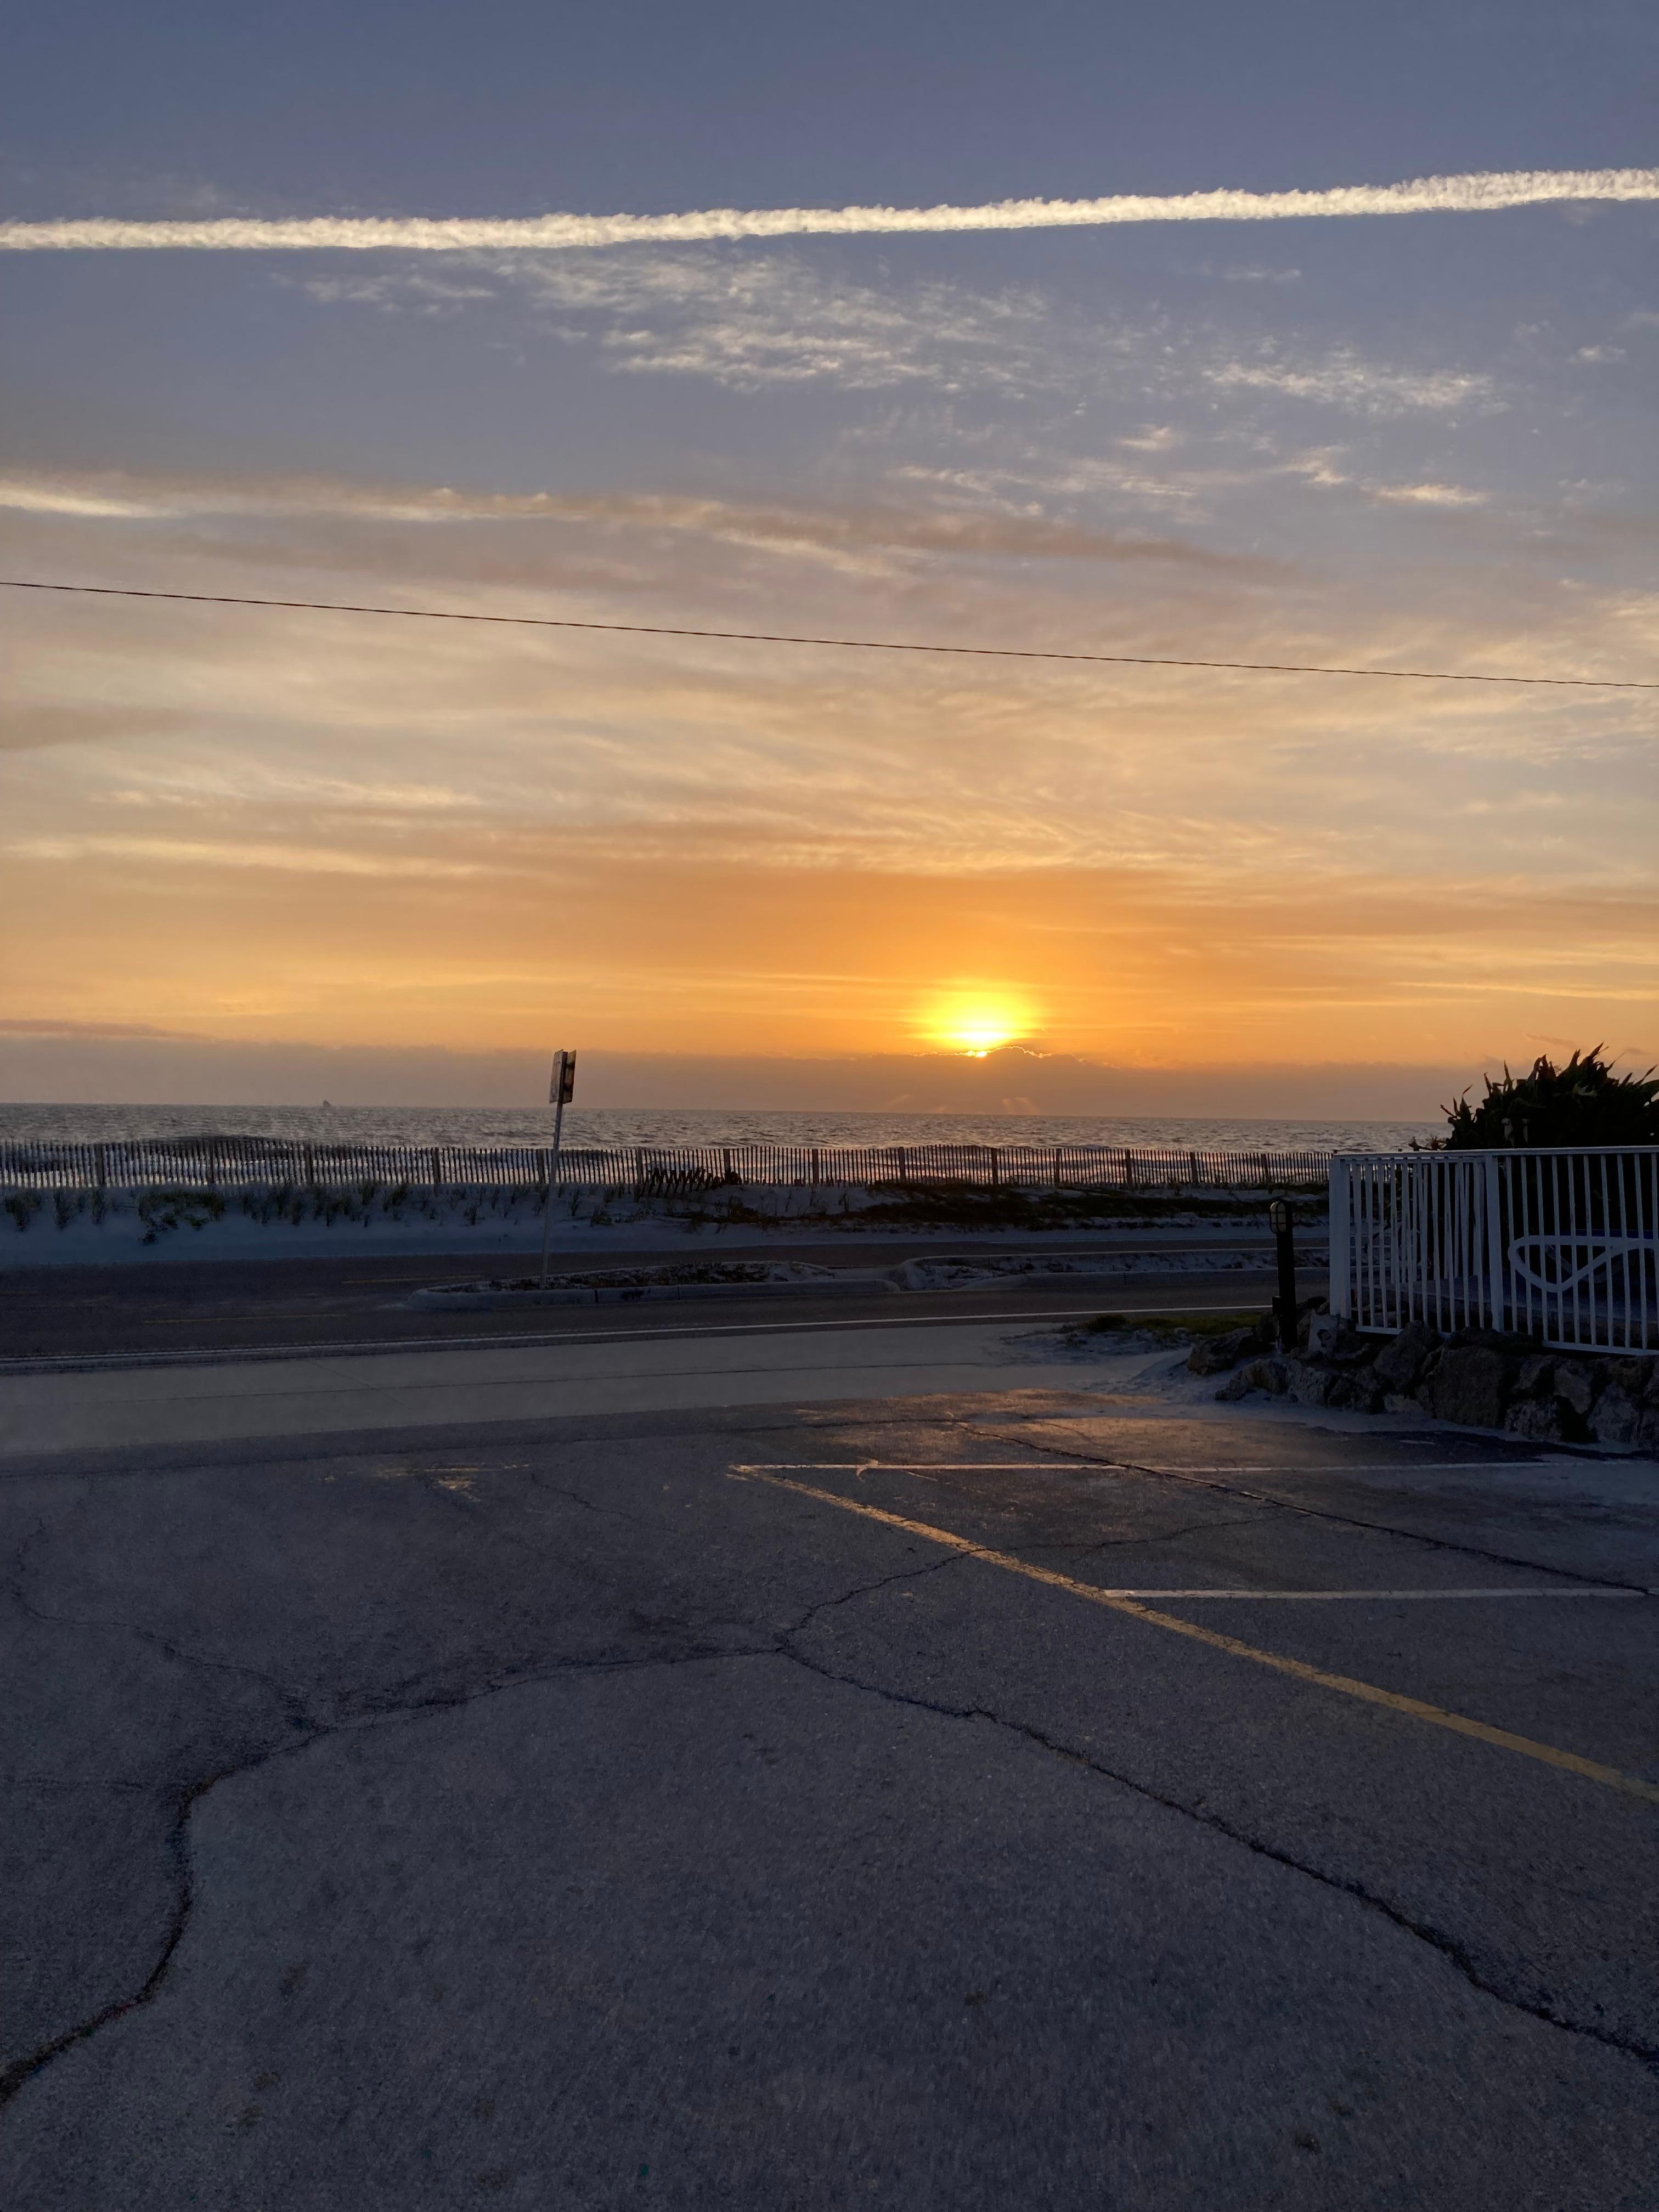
(995, 1799)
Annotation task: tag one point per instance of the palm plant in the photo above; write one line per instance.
(1584, 1102)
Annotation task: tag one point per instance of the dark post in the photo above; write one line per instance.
(1280, 1222)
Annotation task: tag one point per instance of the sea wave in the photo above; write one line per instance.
(609, 1125)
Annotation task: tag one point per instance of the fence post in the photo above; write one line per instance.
(1496, 1267)
(1341, 1242)
(996, 1165)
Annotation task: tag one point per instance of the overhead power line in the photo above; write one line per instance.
(847, 644)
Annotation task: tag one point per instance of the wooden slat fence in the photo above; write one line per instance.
(242, 1162)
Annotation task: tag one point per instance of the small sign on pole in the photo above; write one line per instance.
(561, 1090)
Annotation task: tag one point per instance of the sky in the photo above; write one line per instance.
(234, 839)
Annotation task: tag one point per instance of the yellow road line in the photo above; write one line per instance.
(1569, 1762)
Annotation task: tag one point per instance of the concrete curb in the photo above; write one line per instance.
(627, 1294)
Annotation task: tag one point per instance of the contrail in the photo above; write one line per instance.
(1470, 195)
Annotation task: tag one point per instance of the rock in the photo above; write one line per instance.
(1400, 1363)
(1397, 1401)
(1613, 1421)
(1537, 1376)
(1270, 1374)
(1308, 1382)
(1540, 1421)
(1357, 1392)
(1646, 1438)
(1214, 1355)
(1572, 1382)
(1471, 1386)
(1331, 1337)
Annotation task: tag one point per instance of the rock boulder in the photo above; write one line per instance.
(1471, 1386)
(1398, 1366)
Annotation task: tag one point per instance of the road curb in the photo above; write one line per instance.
(627, 1294)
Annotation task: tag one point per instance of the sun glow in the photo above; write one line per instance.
(975, 1025)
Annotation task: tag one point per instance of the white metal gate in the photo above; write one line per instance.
(1559, 1245)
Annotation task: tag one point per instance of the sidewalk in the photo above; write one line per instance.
(776, 1365)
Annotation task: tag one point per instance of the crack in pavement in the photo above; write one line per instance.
(1151, 1543)
(1437, 1939)
(388, 1710)
(868, 1590)
(541, 1482)
(289, 1693)
(15, 2077)
(292, 1694)
(1077, 1457)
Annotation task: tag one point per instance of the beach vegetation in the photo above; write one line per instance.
(1585, 1101)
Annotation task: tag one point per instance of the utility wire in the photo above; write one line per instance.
(853, 644)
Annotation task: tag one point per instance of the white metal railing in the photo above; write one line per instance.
(1559, 1245)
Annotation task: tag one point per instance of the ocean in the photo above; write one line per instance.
(603, 1126)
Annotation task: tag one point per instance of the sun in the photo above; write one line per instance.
(980, 1034)
(973, 1022)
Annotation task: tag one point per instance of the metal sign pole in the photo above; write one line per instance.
(559, 1090)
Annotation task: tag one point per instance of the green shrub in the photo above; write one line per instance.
(1584, 1102)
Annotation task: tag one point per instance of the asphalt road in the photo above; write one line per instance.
(781, 1810)
(182, 1307)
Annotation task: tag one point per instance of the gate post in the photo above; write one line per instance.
(1496, 1264)
(1341, 1242)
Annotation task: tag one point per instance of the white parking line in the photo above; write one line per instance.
(1070, 1465)
(1572, 1590)
(1347, 1685)
(1280, 1596)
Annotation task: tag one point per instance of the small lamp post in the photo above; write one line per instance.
(1282, 1223)
(561, 1090)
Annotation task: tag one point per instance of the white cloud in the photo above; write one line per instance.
(1344, 377)
(749, 322)
(846, 532)
(94, 499)
(1479, 193)
(286, 860)
(1425, 494)
(753, 322)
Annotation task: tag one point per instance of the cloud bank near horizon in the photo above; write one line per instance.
(70, 1064)
(1478, 193)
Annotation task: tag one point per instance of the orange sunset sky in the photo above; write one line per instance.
(1420, 442)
